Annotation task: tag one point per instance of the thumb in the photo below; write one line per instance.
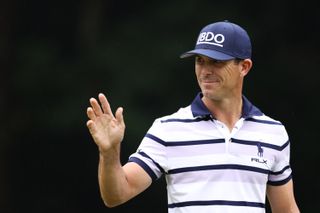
(119, 116)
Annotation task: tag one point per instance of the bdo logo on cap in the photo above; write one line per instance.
(211, 38)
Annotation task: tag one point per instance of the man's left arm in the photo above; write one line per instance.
(281, 198)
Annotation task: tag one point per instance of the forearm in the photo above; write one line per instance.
(114, 187)
(292, 210)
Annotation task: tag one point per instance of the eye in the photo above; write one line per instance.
(199, 60)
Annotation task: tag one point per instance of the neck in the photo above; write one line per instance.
(227, 110)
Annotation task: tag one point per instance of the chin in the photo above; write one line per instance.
(207, 94)
(210, 95)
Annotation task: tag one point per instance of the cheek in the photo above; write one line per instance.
(197, 73)
(232, 74)
(234, 80)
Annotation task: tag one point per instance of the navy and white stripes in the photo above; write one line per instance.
(208, 169)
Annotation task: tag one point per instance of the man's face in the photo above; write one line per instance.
(218, 79)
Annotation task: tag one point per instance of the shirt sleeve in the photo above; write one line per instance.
(281, 171)
(151, 153)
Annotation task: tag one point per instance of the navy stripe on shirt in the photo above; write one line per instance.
(155, 163)
(281, 182)
(184, 143)
(218, 167)
(216, 202)
(263, 121)
(144, 166)
(185, 120)
(255, 143)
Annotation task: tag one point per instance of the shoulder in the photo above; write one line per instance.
(264, 119)
(269, 128)
(178, 121)
(182, 114)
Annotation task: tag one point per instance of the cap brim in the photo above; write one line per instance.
(209, 53)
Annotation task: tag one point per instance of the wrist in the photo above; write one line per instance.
(109, 155)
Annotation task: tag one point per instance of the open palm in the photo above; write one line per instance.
(106, 129)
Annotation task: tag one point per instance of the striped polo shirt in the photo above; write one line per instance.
(210, 169)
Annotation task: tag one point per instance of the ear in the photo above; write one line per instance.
(246, 65)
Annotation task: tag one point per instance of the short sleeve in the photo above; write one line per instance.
(281, 171)
(151, 153)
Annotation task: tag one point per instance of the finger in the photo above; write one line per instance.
(119, 116)
(105, 104)
(91, 114)
(95, 106)
(91, 126)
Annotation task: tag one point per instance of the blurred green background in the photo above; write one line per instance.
(55, 55)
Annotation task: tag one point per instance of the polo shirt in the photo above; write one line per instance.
(210, 169)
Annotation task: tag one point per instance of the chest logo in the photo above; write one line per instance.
(259, 159)
(260, 150)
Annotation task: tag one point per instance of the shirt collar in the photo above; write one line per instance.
(198, 108)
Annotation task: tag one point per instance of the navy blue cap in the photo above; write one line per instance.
(222, 41)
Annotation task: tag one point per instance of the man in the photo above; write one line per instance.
(219, 154)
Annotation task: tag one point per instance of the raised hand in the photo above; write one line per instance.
(106, 129)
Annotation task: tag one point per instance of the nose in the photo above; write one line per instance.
(207, 69)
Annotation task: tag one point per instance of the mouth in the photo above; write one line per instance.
(209, 80)
(210, 83)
